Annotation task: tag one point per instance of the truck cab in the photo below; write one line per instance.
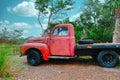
(61, 42)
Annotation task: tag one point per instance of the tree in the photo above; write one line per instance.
(4, 33)
(112, 11)
(97, 20)
(116, 36)
(13, 36)
(52, 10)
(115, 8)
(91, 13)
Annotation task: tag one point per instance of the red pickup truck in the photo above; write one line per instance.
(61, 42)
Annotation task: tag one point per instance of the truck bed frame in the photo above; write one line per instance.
(94, 49)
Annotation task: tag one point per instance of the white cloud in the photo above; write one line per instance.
(45, 26)
(26, 8)
(69, 6)
(26, 33)
(31, 0)
(72, 18)
(3, 24)
(28, 29)
(31, 33)
(6, 21)
(102, 1)
(45, 20)
(16, 25)
(38, 25)
(9, 9)
(20, 25)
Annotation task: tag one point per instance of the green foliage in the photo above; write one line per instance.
(78, 32)
(99, 14)
(3, 59)
(97, 33)
(95, 22)
(54, 6)
(11, 36)
(7, 77)
(10, 64)
(52, 10)
(100, 34)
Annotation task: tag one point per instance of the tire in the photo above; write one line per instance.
(34, 58)
(86, 41)
(108, 58)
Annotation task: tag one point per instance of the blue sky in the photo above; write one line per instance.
(21, 14)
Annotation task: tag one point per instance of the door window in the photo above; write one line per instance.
(62, 31)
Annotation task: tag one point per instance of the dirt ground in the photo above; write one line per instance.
(69, 69)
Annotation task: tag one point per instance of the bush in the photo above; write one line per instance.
(10, 64)
(100, 34)
(3, 59)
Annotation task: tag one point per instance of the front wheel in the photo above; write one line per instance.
(108, 58)
(34, 58)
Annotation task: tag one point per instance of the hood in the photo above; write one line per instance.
(37, 40)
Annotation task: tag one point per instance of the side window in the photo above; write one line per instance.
(62, 31)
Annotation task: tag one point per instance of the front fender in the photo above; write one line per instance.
(43, 48)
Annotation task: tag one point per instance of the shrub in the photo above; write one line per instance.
(10, 64)
(3, 59)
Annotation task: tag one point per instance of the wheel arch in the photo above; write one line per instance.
(44, 52)
(33, 49)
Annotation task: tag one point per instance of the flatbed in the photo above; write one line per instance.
(99, 46)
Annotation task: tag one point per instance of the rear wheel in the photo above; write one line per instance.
(108, 58)
(34, 58)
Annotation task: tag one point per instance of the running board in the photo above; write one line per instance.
(61, 57)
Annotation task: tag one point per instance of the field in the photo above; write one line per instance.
(69, 69)
(14, 67)
(10, 63)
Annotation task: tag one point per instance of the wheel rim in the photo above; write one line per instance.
(108, 59)
(32, 59)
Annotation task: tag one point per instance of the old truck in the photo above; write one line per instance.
(61, 43)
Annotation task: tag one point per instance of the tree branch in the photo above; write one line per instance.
(40, 23)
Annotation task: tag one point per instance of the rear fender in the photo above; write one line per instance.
(43, 48)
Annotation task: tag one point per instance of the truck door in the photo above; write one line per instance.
(59, 42)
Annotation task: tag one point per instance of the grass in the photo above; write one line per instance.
(10, 63)
(3, 59)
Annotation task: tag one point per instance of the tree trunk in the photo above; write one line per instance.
(116, 35)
